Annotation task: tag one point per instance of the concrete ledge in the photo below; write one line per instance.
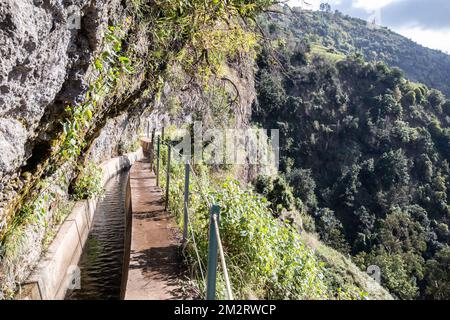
(112, 167)
(127, 239)
(56, 270)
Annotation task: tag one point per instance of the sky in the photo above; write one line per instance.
(425, 21)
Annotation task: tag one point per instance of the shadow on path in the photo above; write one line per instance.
(155, 264)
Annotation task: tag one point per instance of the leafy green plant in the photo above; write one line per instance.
(89, 183)
(109, 65)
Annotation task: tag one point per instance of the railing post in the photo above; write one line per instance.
(168, 176)
(152, 152)
(212, 255)
(186, 200)
(158, 156)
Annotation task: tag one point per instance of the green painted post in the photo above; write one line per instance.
(212, 256)
(152, 152)
(158, 156)
(168, 176)
(186, 200)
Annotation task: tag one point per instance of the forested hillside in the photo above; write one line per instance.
(349, 35)
(366, 154)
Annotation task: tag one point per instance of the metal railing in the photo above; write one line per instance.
(215, 247)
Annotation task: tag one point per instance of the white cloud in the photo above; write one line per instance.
(435, 39)
(371, 5)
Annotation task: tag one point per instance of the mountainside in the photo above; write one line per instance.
(73, 97)
(366, 154)
(349, 35)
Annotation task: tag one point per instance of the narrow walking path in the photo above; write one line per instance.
(154, 268)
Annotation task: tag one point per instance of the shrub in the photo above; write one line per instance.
(277, 191)
(436, 98)
(281, 195)
(410, 99)
(89, 183)
(263, 185)
(266, 257)
(394, 275)
(331, 230)
(304, 186)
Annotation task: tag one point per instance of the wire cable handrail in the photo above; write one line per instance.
(229, 290)
(222, 259)
(198, 255)
(194, 242)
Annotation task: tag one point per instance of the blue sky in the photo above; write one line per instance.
(424, 21)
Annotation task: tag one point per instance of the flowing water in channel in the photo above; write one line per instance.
(101, 262)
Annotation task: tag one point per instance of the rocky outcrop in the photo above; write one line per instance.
(40, 54)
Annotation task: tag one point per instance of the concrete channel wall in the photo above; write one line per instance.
(57, 270)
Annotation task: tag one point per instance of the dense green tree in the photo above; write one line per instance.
(400, 233)
(423, 168)
(331, 230)
(446, 107)
(392, 169)
(304, 187)
(277, 191)
(409, 99)
(394, 273)
(281, 195)
(438, 274)
(263, 185)
(385, 105)
(272, 91)
(436, 98)
(366, 227)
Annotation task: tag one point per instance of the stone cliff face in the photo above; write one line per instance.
(46, 59)
(44, 65)
(49, 51)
